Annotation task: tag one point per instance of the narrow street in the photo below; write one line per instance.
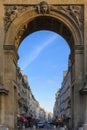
(51, 127)
(46, 128)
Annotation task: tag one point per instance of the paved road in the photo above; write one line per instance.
(39, 129)
(45, 129)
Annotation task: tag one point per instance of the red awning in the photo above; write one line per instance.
(31, 119)
(23, 118)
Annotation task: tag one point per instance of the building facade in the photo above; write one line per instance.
(65, 99)
(62, 106)
(28, 106)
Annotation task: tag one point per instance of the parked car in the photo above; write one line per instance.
(40, 124)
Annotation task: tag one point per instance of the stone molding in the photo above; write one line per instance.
(3, 90)
(83, 91)
(75, 12)
(9, 47)
(79, 49)
(12, 49)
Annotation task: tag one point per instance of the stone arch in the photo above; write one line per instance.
(59, 19)
(21, 24)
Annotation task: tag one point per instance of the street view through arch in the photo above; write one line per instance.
(43, 56)
(19, 19)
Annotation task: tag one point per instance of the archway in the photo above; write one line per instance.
(64, 20)
(41, 60)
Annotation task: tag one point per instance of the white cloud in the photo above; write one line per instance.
(36, 51)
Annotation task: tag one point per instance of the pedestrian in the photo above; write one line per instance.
(34, 127)
(54, 127)
(23, 127)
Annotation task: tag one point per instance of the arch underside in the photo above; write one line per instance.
(48, 23)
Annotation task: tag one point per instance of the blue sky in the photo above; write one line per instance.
(43, 56)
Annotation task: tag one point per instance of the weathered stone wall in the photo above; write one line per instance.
(2, 37)
(8, 59)
(48, 1)
(85, 37)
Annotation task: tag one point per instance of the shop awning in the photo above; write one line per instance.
(23, 117)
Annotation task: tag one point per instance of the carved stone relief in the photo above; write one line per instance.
(18, 38)
(10, 15)
(76, 12)
(13, 11)
(43, 7)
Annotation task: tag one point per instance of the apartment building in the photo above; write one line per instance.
(65, 98)
(62, 106)
(27, 104)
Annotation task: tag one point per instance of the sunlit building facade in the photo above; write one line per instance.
(62, 106)
(26, 102)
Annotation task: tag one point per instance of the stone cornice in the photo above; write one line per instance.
(12, 49)
(3, 90)
(9, 47)
(33, 2)
(83, 91)
(76, 12)
(79, 49)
